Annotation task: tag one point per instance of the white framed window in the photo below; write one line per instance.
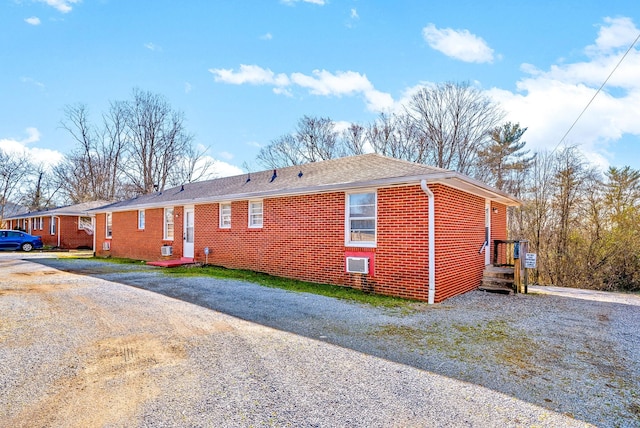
(360, 219)
(84, 223)
(52, 226)
(225, 216)
(255, 214)
(140, 219)
(168, 224)
(108, 222)
(38, 223)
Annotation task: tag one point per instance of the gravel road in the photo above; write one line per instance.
(88, 343)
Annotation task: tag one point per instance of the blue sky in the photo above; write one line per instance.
(244, 72)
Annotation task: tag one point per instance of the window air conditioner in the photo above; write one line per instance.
(166, 250)
(358, 264)
(106, 245)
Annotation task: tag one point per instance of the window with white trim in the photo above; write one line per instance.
(84, 223)
(108, 222)
(168, 224)
(52, 226)
(361, 219)
(38, 223)
(140, 219)
(225, 216)
(255, 214)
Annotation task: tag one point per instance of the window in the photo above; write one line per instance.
(108, 221)
(168, 224)
(255, 213)
(84, 223)
(38, 223)
(225, 216)
(52, 226)
(140, 219)
(361, 219)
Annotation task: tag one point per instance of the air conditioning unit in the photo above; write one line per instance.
(166, 250)
(358, 264)
(106, 245)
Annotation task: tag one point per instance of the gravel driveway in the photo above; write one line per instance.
(90, 350)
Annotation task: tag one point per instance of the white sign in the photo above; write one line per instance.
(530, 260)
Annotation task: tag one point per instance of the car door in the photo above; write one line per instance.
(14, 240)
(3, 239)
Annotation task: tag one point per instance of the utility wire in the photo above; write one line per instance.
(596, 94)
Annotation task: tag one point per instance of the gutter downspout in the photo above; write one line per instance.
(432, 242)
(93, 225)
(58, 228)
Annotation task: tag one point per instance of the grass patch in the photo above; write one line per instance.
(335, 291)
(117, 260)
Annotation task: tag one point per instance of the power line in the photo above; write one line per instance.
(596, 94)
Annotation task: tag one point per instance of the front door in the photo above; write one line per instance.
(187, 247)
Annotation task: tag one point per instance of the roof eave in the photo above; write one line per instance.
(452, 179)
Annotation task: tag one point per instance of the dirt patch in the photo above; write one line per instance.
(114, 377)
(34, 289)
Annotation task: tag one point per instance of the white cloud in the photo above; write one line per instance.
(458, 44)
(35, 154)
(224, 169)
(153, 47)
(226, 155)
(63, 6)
(251, 74)
(266, 36)
(548, 102)
(319, 82)
(354, 14)
(31, 81)
(292, 2)
(34, 20)
(254, 144)
(188, 87)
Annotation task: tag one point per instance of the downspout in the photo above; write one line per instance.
(57, 229)
(432, 242)
(93, 226)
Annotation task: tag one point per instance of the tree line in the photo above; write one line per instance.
(583, 224)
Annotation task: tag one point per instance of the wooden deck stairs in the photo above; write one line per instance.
(498, 280)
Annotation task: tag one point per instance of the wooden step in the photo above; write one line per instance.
(498, 272)
(492, 287)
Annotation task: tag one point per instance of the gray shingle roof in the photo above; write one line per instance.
(72, 210)
(341, 173)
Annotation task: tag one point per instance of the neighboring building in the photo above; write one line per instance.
(9, 209)
(379, 224)
(68, 227)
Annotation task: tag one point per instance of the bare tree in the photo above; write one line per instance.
(397, 136)
(314, 139)
(92, 170)
(156, 140)
(455, 120)
(14, 169)
(194, 165)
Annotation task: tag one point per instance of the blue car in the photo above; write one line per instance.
(16, 240)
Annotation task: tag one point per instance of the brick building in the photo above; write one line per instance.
(379, 224)
(68, 227)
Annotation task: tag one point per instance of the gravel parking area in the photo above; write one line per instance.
(122, 345)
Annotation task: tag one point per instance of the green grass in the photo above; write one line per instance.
(345, 293)
(338, 292)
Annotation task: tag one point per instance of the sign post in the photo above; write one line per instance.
(530, 262)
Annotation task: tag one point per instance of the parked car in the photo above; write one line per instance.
(16, 240)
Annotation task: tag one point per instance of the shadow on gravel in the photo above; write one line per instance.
(576, 357)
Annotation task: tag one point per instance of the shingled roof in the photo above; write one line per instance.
(352, 172)
(71, 210)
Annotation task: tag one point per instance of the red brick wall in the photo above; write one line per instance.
(67, 227)
(303, 238)
(130, 242)
(460, 233)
